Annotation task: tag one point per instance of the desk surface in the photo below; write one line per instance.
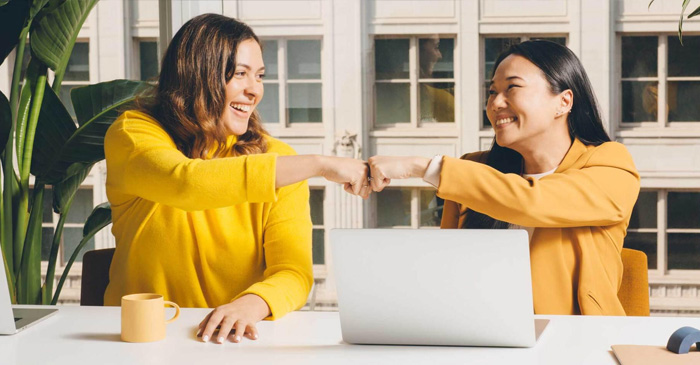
(90, 335)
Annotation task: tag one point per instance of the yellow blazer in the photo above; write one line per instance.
(580, 215)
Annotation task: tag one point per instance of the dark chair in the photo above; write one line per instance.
(634, 290)
(95, 276)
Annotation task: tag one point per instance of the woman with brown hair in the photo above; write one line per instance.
(208, 209)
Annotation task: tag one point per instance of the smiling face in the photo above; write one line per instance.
(522, 109)
(245, 89)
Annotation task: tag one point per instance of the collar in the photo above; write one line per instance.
(575, 151)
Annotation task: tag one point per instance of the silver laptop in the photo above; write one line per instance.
(453, 287)
(13, 320)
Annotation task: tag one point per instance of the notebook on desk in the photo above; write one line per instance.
(434, 287)
(13, 320)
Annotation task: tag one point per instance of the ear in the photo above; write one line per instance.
(566, 101)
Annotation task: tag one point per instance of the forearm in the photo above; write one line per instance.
(255, 304)
(293, 169)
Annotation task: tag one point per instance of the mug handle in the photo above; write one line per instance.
(177, 311)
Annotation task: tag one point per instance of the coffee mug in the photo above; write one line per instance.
(143, 317)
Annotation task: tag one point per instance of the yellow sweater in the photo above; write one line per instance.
(204, 232)
(580, 214)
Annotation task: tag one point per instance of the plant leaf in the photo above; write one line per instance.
(4, 2)
(5, 121)
(29, 277)
(13, 17)
(100, 217)
(680, 22)
(36, 7)
(695, 13)
(54, 129)
(97, 106)
(64, 191)
(651, 2)
(54, 34)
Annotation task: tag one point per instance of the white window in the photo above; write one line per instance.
(77, 73)
(659, 81)
(292, 83)
(408, 208)
(665, 224)
(493, 46)
(316, 199)
(414, 82)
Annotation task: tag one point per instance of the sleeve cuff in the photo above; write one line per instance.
(432, 173)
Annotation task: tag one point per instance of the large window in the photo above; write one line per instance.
(414, 81)
(659, 80)
(319, 232)
(77, 73)
(408, 208)
(292, 82)
(666, 226)
(493, 46)
(146, 59)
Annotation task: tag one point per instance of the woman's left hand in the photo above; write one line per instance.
(242, 314)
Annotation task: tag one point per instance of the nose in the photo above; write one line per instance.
(497, 102)
(253, 88)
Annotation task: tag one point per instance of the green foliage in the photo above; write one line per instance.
(47, 143)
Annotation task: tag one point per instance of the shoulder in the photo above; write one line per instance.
(133, 120)
(479, 156)
(608, 153)
(133, 127)
(274, 145)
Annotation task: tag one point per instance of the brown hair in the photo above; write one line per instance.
(191, 91)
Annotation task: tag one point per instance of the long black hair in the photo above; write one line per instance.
(563, 71)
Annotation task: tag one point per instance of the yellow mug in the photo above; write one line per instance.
(143, 317)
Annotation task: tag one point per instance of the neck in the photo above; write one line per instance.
(545, 156)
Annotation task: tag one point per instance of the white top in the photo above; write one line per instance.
(90, 335)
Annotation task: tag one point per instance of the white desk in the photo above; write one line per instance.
(90, 335)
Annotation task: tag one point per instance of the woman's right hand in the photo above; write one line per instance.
(351, 172)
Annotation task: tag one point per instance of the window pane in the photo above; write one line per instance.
(394, 208)
(78, 68)
(392, 104)
(436, 58)
(48, 206)
(318, 247)
(683, 210)
(430, 209)
(683, 101)
(644, 213)
(645, 242)
(71, 240)
(683, 59)
(639, 101)
(46, 240)
(148, 60)
(437, 102)
(684, 251)
(639, 56)
(269, 49)
(269, 107)
(64, 95)
(82, 206)
(304, 103)
(304, 59)
(493, 48)
(558, 40)
(391, 58)
(316, 203)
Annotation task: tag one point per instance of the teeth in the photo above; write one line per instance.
(505, 120)
(241, 107)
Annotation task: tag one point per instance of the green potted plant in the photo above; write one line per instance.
(39, 137)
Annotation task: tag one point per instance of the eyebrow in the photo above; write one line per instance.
(248, 67)
(508, 79)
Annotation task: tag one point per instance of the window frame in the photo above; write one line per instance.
(136, 56)
(662, 123)
(283, 125)
(414, 82)
(415, 208)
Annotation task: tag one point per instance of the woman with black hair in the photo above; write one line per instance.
(552, 170)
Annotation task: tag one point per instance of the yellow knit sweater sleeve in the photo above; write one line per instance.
(288, 274)
(599, 191)
(143, 161)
